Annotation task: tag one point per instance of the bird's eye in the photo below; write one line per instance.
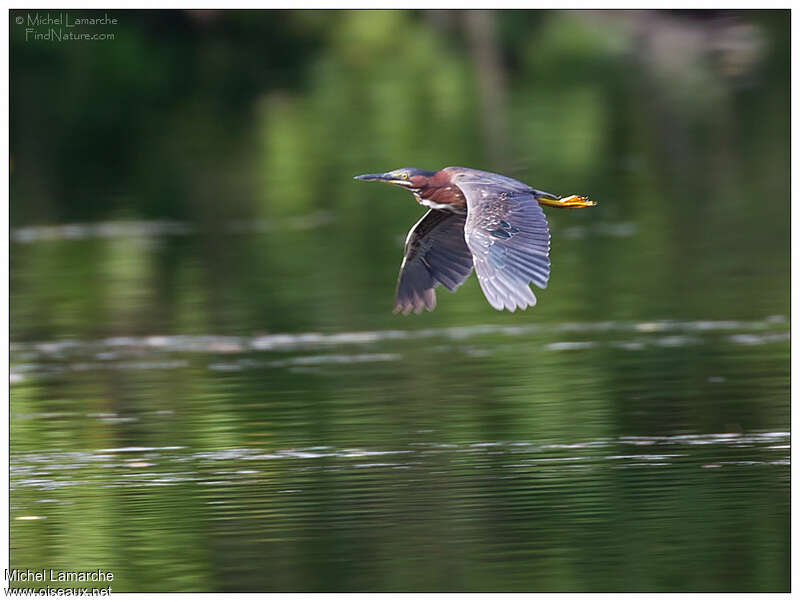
(405, 176)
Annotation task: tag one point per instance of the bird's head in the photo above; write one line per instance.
(411, 178)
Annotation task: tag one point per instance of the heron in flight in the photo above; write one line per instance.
(475, 219)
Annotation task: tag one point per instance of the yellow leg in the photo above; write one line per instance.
(571, 202)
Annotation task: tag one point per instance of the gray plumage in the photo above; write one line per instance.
(504, 235)
(435, 253)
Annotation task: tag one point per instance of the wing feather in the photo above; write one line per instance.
(506, 231)
(435, 253)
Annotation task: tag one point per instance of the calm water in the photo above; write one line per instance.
(505, 453)
(208, 388)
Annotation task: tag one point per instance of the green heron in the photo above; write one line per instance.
(479, 219)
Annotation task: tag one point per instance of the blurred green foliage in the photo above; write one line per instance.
(245, 129)
(677, 123)
(674, 122)
(189, 113)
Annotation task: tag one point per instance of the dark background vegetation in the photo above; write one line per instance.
(191, 180)
(677, 121)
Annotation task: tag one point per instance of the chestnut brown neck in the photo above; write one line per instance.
(439, 193)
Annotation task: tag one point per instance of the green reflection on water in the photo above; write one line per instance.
(574, 447)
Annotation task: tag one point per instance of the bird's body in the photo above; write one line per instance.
(475, 219)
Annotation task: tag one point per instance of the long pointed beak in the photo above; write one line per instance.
(388, 178)
(373, 177)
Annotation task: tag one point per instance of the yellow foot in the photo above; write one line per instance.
(571, 202)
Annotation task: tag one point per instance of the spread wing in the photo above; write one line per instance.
(435, 253)
(506, 231)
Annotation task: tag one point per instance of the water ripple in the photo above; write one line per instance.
(48, 471)
(160, 228)
(312, 340)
